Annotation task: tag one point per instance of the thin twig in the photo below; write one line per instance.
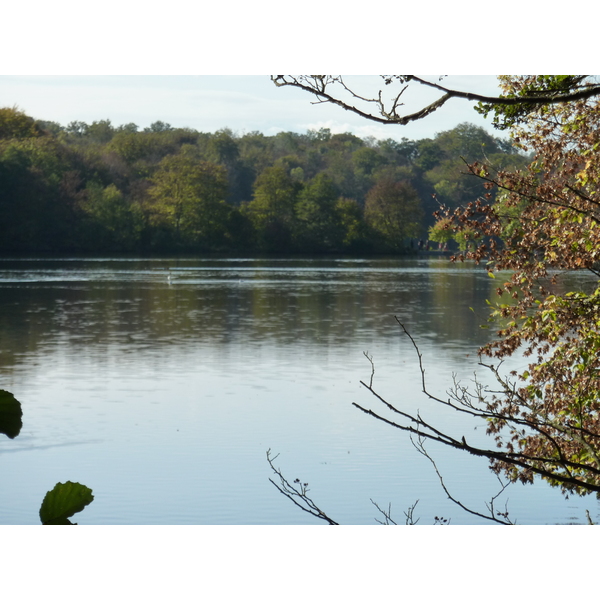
(504, 520)
(298, 493)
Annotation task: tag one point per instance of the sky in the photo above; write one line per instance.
(242, 103)
(206, 65)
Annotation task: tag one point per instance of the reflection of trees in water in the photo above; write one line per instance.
(318, 306)
(314, 304)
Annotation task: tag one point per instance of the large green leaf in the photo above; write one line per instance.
(63, 502)
(10, 415)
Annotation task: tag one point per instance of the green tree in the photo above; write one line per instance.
(318, 226)
(403, 152)
(50, 127)
(39, 186)
(468, 141)
(127, 127)
(15, 124)
(356, 238)
(255, 152)
(130, 146)
(337, 164)
(453, 183)
(100, 131)
(188, 202)
(158, 127)
(366, 160)
(442, 231)
(393, 210)
(272, 211)
(77, 128)
(114, 224)
(222, 148)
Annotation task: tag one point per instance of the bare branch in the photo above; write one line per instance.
(497, 517)
(370, 359)
(319, 85)
(580, 475)
(387, 514)
(409, 514)
(549, 98)
(298, 493)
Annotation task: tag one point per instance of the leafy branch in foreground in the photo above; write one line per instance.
(65, 499)
(543, 223)
(559, 468)
(298, 492)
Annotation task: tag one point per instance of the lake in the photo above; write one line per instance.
(161, 384)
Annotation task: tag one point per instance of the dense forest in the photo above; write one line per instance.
(95, 188)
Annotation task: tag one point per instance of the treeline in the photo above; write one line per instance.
(96, 188)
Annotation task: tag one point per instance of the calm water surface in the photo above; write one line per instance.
(161, 384)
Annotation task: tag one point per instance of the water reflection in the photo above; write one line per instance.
(183, 384)
(218, 302)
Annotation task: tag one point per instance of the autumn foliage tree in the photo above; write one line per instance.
(546, 223)
(535, 223)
